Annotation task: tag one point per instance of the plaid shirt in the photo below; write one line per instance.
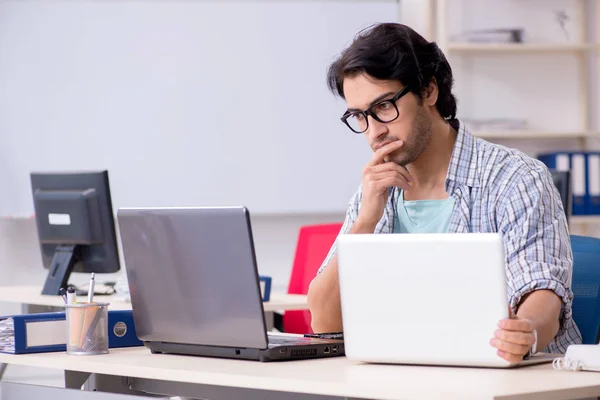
(497, 189)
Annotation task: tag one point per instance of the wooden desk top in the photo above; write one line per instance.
(334, 377)
(32, 295)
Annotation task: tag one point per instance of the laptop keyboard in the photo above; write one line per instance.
(332, 335)
(273, 340)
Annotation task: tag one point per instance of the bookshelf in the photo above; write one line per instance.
(577, 220)
(583, 45)
(535, 134)
(582, 49)
(519, 48)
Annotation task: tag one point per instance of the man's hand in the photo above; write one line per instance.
(378, 176)
(514, 338)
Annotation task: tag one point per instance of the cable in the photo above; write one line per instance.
(565, 364)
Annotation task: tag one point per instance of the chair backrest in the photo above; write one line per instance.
(586, 286)
(562, 181)
(314, 242)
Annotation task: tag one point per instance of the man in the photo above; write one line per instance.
(428, 174)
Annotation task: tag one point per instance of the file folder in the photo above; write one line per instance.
(558, 161)
(47, 332)
(593, 168)
(580, 179)
(265, 287)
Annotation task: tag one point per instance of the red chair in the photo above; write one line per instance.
(314, 242)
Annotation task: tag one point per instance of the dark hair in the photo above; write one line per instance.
(391, 51)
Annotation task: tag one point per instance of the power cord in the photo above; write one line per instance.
(565, 364)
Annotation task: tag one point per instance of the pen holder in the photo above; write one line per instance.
(87, 328)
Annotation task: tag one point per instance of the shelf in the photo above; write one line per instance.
(584, 219)
(533, 134)
(520, 47)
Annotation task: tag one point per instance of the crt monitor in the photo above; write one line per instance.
(75, 225)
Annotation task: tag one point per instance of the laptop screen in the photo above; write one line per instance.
(192, 276)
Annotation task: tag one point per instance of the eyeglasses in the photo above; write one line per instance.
(385, 111)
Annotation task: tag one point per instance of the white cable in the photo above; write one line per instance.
(565, 364)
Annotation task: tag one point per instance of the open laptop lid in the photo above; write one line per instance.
(438, 297)
(192, 276)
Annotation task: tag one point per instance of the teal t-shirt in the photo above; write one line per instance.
(422, 216)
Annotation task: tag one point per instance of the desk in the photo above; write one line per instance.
(31, 295)
(138, 369)
(32, 300)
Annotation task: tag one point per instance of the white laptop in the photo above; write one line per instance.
(432, 299)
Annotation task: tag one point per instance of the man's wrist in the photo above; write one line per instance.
(363, 226)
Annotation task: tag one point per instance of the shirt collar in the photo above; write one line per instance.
(463, 163)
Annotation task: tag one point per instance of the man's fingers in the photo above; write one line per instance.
(513, 358)
(391, 166)
(514, 338)
(379, 183)
(518, 325)
(389, 181)
(388, 174)
(512, 348)
(378, 156)
(521, 338)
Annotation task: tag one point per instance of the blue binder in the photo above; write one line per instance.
(593, 183)
(265, 287)
(576, 162)
(559, 161)
(580, 183)
(46, 332)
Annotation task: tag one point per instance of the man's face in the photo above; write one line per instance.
(413, 124)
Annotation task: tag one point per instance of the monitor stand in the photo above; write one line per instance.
(60, 269)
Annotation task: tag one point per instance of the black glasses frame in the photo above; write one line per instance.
(369, 111)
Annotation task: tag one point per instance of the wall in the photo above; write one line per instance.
(145, 90)
(275, 236)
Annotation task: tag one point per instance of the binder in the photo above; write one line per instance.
(576, 162)
(593, 168)
(558, 161)
(265, 287)
(580, 179)
(47, 332)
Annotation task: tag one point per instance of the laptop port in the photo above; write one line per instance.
(283, 350)
(334, 350)
(326, 351)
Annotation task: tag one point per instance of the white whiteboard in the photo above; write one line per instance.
(184, 102)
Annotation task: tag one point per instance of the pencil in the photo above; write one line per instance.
(88, 319)
(75, 324)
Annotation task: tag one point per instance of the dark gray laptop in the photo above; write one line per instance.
(195, 289)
